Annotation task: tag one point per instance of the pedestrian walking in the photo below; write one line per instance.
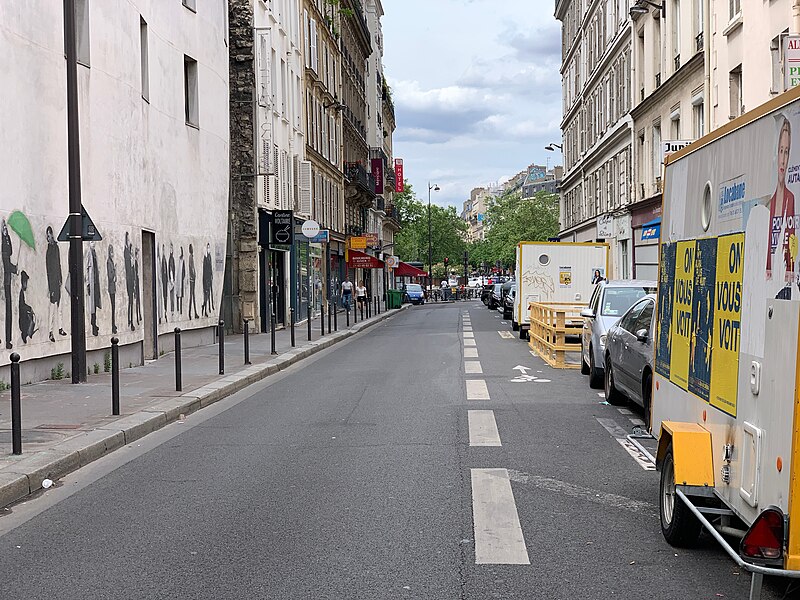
(361, 294)
(347, 293)
(52, 261)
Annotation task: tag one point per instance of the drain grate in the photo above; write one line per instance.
(58, 426)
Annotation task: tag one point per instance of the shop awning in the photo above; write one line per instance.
(362, 260)
(407, 270)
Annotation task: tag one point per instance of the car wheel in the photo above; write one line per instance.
(514, 326)
(678, 524)
(506, 315)
(647, 394)
(523, 333)
(613, 396)
(584, 366)
(595, 374)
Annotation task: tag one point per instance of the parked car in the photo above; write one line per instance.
(609, 301)
(474, 282)
(486, 292)
(413, 293)
(495, 296)
(508, 301)
(629, 356)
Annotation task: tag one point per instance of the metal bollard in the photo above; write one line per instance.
(308, 322)
(347, 312)
(368, 302)
(178, 378)
(221, 334)
(355, 312)
(335, 313)
(321, 321)
(291, 323)
(330, 316)
(115, 376)
(16, 408)
(377, 305)
(272, 323)
(361, 306)
(246, 333)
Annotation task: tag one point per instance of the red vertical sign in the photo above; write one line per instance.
(398, 175)
(377, 173)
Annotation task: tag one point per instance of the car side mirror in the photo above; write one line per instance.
(588, 313)
(642, 335)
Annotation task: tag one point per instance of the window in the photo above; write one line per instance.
(698, 117)
(735, 87)
(675, 123)
(734, 8)
(676, 34)
(191, 5)
(82, 31)
(190, 91)
(144, 59)
(656, 149)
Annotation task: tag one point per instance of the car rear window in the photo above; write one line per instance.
(617, 300)
(413, 287)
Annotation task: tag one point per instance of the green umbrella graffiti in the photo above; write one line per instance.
(20, 225)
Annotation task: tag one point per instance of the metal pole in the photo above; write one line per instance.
(321, 320)
(347, 312)
(115, 376)
(16, 409)
(273, 321)
(335, 311)
(247, 342)
(361, 306)
(178, 381)
(77, 319)
(330, 316)
(291, 323)
(430, 252)
(355, 311)
(308, 320)
(221, 335)
(308, 288)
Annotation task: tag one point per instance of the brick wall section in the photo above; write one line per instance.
(243, 213)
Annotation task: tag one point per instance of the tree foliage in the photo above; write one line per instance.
(511, 219)
(446, 228)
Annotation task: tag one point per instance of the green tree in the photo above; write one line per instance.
(446, 231)
(512, 219)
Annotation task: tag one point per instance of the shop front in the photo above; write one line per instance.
(646, 224)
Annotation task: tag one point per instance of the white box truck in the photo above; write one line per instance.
(726, 391)
(555, 272)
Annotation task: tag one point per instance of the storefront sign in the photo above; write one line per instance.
(377, 173)
(791, 54)
(605, 226)
(398, 175)
(281, 231)
(392, 262)
(372, 240)
(359, 260)
(310, 228)
(651, 232)
(670, 146)
(358, 242)
(323, 237)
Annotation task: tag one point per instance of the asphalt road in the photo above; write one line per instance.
(353, 476)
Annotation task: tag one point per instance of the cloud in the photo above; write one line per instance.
(530, 45)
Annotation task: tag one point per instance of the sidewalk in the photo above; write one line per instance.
(66, 426)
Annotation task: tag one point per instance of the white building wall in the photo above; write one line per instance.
(143, 167)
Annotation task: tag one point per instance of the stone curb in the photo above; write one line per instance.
(25, 476)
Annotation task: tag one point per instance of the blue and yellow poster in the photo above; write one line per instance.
(705, 266)
(666, 280)
(727, 321)
(682, 314)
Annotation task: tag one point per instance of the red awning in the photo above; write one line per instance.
(361, 260)
(407, 270)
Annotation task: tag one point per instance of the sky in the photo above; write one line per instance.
(476, 90)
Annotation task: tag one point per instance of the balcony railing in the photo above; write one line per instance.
(698, 40)
(380, 203)
(358, 175)
(641, 94)
(658, 79)
(677, 61)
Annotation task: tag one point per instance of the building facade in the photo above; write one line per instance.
(153, 114)
(596, 127)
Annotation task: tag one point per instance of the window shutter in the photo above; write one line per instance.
(305, 187)
(314, 57)
(265, 85)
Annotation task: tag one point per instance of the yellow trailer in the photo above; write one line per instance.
(726, 407)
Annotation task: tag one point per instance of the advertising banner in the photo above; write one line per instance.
(705, 266)
(358, 243)
(682, 314)
(372, 240)
(665, 287)
(727, 319)
(398, 175)
(377, 173)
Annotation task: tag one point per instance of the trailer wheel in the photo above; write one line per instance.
(678, 525)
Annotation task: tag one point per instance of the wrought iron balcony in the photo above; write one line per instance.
(677, 61)
(658, 79)
(699, 41)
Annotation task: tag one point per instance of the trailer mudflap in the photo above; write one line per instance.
(691, 452)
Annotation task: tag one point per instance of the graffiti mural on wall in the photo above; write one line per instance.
(36, 286)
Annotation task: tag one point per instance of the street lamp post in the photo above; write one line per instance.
(552, 147)
(435, 188)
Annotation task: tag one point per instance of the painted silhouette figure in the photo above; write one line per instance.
(52, 262)
(111, 271)
(9, 269)
(127, 254)
(192, 278)
(164, 279)
(207, 283)
(93, 286)
(180, 279)
(27, 318)
(136, 291)
(171, 271)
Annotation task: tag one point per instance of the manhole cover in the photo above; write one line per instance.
(58, 426)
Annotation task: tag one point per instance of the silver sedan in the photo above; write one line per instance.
(629, 356)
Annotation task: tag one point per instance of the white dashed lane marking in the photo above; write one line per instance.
(470, 342)
(468, 334)
(470, 353)
(483, 428)
(507, 335)
(477, 390)
(471, 367)
(498, 534)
